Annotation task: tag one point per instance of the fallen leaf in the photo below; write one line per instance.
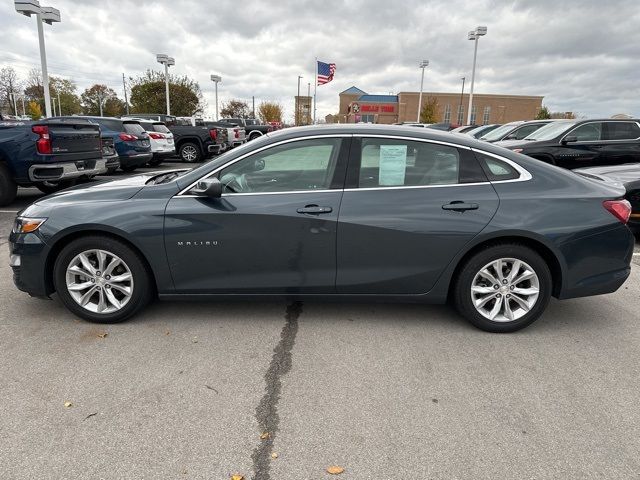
(195, 340)
(211, 388)
(90, 415)
(335, 470)
(274, 455)
(68, 404)
(167, 332)
(237, 476)
(264, 436)
(102, 334)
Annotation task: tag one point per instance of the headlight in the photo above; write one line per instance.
(27, 225)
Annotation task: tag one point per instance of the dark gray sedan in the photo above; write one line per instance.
(361, 212)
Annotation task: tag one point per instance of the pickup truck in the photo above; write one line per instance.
(49, 154)
(193, 143)
(252, 127)
(232, 135)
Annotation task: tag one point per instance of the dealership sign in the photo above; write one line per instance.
(373, 108)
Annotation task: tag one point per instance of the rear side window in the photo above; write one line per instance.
(495, 169)
(622, 131)
(160, 128)
(396, 163)
(133, 128)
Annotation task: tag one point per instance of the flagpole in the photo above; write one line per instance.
(315, 90)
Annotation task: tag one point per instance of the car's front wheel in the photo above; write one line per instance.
(190, 152)
(503, 288)
(101, 279)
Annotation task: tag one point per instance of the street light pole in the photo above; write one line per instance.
(215, 79)
(298, 103)
(459, 118)
(424, 64)
(167, 61)
(48, 15)
(475, 36)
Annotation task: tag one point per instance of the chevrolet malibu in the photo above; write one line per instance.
(359, 212)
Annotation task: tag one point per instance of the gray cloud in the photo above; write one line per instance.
(582, 55)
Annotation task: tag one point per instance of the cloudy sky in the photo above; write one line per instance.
(582, 55)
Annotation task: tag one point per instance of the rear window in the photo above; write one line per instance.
(622, 131)
(160, 128)
(148, 126)
(133, 128)
(496, 170)
(108, 124)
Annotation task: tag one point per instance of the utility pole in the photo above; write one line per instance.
(253, 108)
(308, 116)
(474, 35)
(459, 118)
(298, 103)
(124, 87)
(424, 64)
(24, 113)
(59, 106)
(100, 102)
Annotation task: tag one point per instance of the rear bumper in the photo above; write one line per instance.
(135, 160)
(164, 154)
(53, 172)
(214, 148)
(597, 264)
(237, 143)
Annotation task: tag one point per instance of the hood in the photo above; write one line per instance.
(109, 190)
(619, 174)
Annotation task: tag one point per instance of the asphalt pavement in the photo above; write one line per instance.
(187, 390)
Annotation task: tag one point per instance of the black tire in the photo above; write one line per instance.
(128, 168)
(112, 170)
(143, 286)
(254, 135)
(50, 187)
(154, 162)
(190, 152)
(462, 296)
(8, 188)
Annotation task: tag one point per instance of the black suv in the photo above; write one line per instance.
(582, 143)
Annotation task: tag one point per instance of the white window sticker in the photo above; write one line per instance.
(393, 164)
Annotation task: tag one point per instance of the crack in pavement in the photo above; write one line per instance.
(267, 409)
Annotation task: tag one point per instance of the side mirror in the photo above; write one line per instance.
(209, 187)
(569, 139)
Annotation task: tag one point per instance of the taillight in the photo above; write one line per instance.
(517, 150)
(621, 209)
(213, 133)
(236, 132)
(157, 136)
(126, 137)
(43, 144)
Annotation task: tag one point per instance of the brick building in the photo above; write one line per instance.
(358, 106)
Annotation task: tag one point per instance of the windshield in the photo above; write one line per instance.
(475, 130)
(550, 131)
(499, 132)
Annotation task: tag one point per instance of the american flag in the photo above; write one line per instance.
(325, 72)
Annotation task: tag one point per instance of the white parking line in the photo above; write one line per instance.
(9, 211)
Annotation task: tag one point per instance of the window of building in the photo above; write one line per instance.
(393, 163)
(447, 113)
(367, 119)
(473, 115)
(460, 114)
(485, 115)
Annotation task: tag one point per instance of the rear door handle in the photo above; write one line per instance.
(314, 210)
(460, 206)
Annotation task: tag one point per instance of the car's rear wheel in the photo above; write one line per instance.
(503, 288)
(101, 279)
(128, 168)
(8, 188)
(190, 152)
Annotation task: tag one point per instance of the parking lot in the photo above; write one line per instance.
(283, 391)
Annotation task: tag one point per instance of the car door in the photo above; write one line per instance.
(621, 142)
(582, 146)
(273, 230)
(408, 208)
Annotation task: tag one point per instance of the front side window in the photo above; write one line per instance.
(396, 163)
(622, 131)
(297, 166)
(589, 132)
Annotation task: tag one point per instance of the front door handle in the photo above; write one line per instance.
(314, 210)
(460, 206)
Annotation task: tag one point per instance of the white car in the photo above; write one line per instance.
(162, 145)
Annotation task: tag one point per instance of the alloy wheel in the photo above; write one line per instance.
(505, 290)
(189, 154)
(99, 281)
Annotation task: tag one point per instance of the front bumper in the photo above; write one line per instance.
(27, 258)
(54, 172)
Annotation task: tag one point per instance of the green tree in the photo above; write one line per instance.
(270, 112)
(112, 106)
(235, 109)
(148, 94)
(429, 112)
(543, 113)
(69, 100)
(34, 110)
